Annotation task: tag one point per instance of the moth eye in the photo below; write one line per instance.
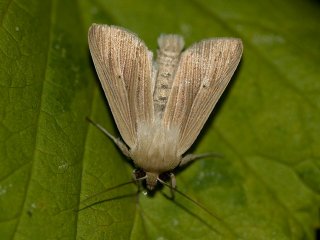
(139, 173)
(165, 176)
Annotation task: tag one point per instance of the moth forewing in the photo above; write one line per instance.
(124, 66)
(160, 107)
(204, 71)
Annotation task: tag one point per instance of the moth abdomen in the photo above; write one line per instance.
(170, 47)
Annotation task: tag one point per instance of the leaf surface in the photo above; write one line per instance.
(266, 125)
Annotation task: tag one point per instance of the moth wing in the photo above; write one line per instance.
(124, 67)
(204, 71)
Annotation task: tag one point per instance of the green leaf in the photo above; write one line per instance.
(266, 125)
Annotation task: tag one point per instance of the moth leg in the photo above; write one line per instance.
(191, 157)
(173, 184)
(137, 182)
(138, 175)
(137, 178)
(121, 145)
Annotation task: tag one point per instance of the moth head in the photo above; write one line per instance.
(151, 178)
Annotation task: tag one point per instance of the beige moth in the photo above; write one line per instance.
(160, 106)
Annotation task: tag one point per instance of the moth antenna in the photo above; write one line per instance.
(134, 180)
(104, 191)
(107, 200)
(190, 199)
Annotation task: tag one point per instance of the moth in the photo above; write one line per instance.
(160, 106)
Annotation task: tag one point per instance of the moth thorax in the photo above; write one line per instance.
(170, 47)
(156, 149)
(151, 180)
